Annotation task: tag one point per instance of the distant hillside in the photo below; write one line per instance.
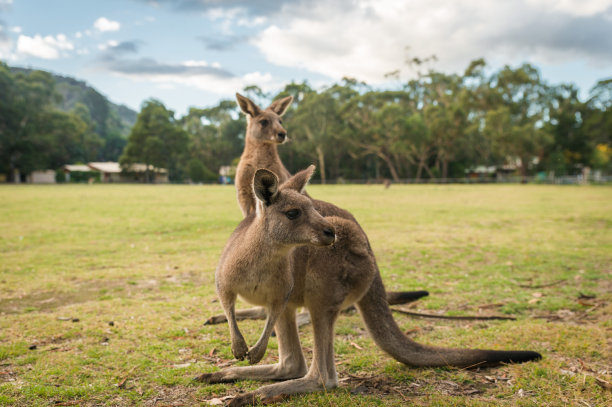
(111, 122)
(106, 114)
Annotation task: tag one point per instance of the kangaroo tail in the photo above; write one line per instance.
(385, 332)
(403, 297)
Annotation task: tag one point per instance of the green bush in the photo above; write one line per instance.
(198, 172)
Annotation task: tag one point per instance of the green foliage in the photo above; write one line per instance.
(199, 173)
(436, 125)
(39, 129)
(156, 140)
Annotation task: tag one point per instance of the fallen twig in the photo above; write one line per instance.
(400, 393)
(543, 285)
(462, 317)
(603, 383)
(121, 384)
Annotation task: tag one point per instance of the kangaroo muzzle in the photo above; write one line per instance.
(328, 236)
(281, 137)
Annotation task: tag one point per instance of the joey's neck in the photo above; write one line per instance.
(262, 248)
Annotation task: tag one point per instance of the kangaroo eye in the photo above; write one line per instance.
(264, 122)
(293, 214)
(280, 121)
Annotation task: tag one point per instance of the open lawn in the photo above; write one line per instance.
(104, 290)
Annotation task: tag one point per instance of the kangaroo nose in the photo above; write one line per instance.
(329, 232)
(281, 136)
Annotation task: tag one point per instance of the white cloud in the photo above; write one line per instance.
(108, 44)
(214, 84)
(224, 13)
(252, 21)
(103, 24)
(573, 7)
(208, 82)
(78, 34)
(47, 47)
(192, 63)
(16, 30)
(368, 38)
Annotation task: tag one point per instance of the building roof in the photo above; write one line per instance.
(77, 167)
(114, 167)
(137, 167)
(109, 167)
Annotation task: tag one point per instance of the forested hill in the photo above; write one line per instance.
(47, 121)
(73, 91)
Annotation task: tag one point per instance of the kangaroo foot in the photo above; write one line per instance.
(239, 349)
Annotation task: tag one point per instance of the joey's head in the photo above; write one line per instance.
(265, 125)
(287, 216)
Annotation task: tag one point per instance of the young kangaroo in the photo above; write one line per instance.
(256, 262)
(266, 262)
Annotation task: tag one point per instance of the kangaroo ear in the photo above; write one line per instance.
(247, 105)
(265, 186)
(298, 181)
(280, 106)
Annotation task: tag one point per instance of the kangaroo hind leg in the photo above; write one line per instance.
(321, 375)
(291, 363)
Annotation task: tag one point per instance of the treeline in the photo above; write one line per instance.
(435, 126)
(48, 121)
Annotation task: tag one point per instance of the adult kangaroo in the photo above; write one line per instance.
(286, 246)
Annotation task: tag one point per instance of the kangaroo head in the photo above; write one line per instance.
(287, 215)
(265, 125)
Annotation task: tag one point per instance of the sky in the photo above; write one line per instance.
(198, 52)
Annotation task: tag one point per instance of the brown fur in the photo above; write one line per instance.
(260, 151)
(264, 132)
(263, 263)
(256, 262)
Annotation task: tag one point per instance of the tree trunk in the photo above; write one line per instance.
(419, 170)
(444, 168)
(524, 169)
(387, 161)
(321, 158)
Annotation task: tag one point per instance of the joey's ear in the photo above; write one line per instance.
(247, 105)
(280, 106)
(265, 186)
(298, 181)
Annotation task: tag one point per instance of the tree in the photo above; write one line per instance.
(312, 126)
(520, 105)
(377, 123)
(597, 116)
(34, 135)
(156, 140)
(216, 135)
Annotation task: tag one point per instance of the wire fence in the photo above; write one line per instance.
(564, 180)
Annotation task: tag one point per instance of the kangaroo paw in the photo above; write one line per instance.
(255, 354)
(240, 349)
(207, 378)
(248, 399)
(215, 319)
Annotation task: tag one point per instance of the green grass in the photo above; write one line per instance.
(143, 257)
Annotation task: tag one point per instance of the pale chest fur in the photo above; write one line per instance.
(257, 276)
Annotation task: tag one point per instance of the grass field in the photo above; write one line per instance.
(104, 290)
